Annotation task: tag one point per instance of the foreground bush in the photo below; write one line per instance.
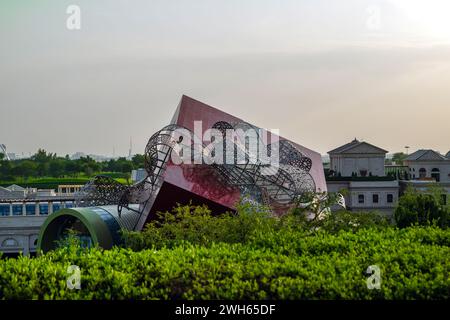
(196, 225)
(280, 263)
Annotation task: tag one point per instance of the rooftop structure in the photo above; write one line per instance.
(427, 164)
(426, 155)
(357, 158)
(358, 167)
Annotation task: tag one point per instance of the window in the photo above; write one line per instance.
(360, 198)
(68, 204)
(375, 198)
(30, 209)
(10, 242)
(17, 209)
(4, 210)
(390, 198)
(436, 174)
(43, 208)
(422, 173)
(56, 206)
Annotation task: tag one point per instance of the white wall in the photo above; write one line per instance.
(368, 189)
(347, 164)
(443, 166)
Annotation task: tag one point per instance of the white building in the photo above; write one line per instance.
(357, 158)
(138, 175)
(427, 168)
(368, 195)
(428, 165)
(358, 168)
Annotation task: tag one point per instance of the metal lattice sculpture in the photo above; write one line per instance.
(259, 182)
(101, 190)
(280, 183)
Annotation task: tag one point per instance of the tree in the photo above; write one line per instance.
(72, 167)
(138, 161)
(5, 169)
(25, 169)
(126, 167)
(399, 157)
(57, 167)
(421, 208)
(41, 156)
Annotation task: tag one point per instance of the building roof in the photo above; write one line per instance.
(448, 155)
(15, 187)
(425, 155)
(355, 144)
(3, 189)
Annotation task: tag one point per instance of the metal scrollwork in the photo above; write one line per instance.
(260, 182)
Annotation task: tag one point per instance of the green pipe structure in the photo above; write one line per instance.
(93, 226)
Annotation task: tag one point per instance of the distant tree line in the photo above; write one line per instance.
(43, 164)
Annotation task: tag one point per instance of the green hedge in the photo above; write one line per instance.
(53, 183)
(274, 264)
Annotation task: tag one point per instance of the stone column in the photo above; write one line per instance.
(26, 245)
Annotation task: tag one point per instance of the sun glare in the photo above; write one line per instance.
(432, 17)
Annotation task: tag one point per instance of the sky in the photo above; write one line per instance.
(322, 72)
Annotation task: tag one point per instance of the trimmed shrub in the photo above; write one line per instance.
(280, 264)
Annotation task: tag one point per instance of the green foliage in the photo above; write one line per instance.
(196, 225)
(355, 177)
(416, 208)
(279, 264)
(399, 157)
(190, 254)
(353, 221)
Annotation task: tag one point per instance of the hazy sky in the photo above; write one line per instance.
(323, 72)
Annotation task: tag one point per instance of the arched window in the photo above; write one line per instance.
(436, 174)
(10, 242)
(422, 173)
